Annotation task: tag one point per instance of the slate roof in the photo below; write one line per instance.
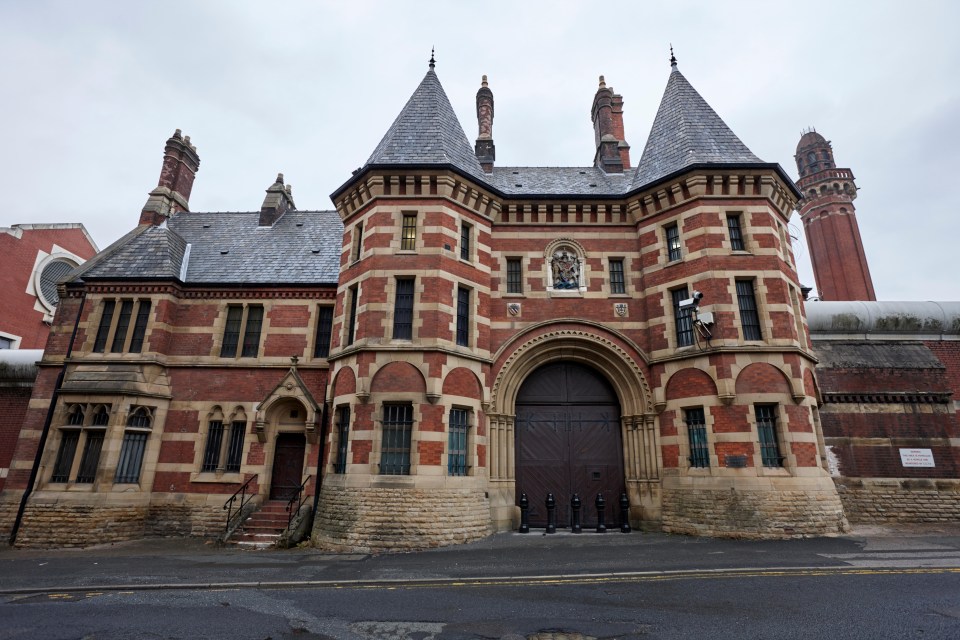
(685, 132)
(302, 247)
(548, 181)
(868, 355)
(427, 131)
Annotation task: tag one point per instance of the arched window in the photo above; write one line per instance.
(134, 445)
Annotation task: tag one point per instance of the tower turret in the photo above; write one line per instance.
(830, 223)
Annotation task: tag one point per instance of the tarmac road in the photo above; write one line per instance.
(885, 583)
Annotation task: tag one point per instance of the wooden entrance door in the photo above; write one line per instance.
(287, 465)
(568, 441)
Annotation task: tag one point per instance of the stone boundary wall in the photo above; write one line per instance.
(729, 513)
(880, 500)
(64, 524)
(373, 520)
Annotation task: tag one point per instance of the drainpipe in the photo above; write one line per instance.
(46, 426)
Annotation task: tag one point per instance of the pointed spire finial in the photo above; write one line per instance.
(432, 61)
(673, 58)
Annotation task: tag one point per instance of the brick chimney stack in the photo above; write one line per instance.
(485, 149)
(279, 200)
(180, 165)
(613, 152)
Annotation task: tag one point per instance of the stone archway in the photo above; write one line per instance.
(620, 363)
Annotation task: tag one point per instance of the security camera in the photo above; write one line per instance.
(692, 301)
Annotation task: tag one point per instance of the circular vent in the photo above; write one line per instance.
(51, 274)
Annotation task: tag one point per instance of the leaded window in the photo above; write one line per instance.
(321, 349)
(352, 318)
(514, 275)
(343, 432)
(403, 310)
(749, 318)
(736, 234)
(90, 459)
(683, 318)
(395, 443)
(245, 321)
(463, 316)
(123, 330)
(674, 251)
(767, 434)
(697, 435)
(617, 284)
(466, 235)
(408, 233)
(457, 443)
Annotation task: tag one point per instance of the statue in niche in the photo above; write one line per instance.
(566, 270)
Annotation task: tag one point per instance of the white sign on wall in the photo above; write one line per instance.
(916, 458)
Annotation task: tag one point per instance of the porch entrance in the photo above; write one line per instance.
(287, 465)
(568, 441)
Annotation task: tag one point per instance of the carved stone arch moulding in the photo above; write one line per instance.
(290, 387)
(611, 359)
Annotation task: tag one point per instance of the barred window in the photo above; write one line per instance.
(321, 349)
(133, 446)
(90, 459)
(245, 321)
(683, 318)
(514, 275)
(211, 456)
(65, 455)
(466, 233)
(463, 316)
(457, 443)
(674, 251)
(395, 445)
(617, 284)
(403, 310)
(408, 233)
(767, 434)
(697, 434)
(224, 447)
(749, 318)
(343, 432)
(736, 236)
(88, 439)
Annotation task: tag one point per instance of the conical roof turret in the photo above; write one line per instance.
(686, 132)
(427, 132)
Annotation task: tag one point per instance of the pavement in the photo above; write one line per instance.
(190, 563)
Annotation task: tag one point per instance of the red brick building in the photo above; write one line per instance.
(455, 337)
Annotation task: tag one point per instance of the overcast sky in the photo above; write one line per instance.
(93, 89)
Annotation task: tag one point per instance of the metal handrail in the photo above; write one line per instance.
(244, 499)
(298, 497)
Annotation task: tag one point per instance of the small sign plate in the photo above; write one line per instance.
(916, 458)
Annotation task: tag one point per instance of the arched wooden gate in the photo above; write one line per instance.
(568, 441)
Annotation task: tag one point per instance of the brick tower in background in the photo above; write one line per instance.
(830, 222)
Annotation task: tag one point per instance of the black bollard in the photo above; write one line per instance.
(551, 513)
(600, 503)
(575, 508)
(524, 514)
(624, 513)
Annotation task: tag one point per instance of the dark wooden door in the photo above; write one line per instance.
(568, 441)
(287, 465)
